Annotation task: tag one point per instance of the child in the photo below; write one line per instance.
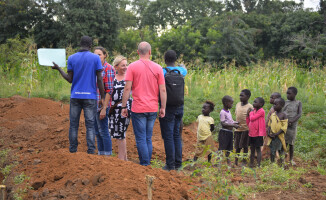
(293, 110)
(241, 137)
(225, 136)
(272, 98)
(257, 129)
(204, 131)
(277, 126)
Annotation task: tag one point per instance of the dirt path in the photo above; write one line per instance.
(37, 132)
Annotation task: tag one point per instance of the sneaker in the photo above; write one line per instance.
(293, 163)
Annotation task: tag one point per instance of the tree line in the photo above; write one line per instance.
(240, 31)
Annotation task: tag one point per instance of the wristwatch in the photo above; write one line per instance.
(123, 107)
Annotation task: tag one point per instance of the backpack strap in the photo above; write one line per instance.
(173, 70)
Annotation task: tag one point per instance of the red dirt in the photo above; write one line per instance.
(37, 129)
(37, 132)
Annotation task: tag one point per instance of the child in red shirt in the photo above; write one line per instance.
(257, 129)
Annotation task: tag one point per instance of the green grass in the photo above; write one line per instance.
(205, 83)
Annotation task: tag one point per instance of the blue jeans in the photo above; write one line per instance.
(143, 124)
(104, 144)
(170, 130)
(89, 106)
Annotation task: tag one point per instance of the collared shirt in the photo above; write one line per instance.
(108, 74)
(84, 65)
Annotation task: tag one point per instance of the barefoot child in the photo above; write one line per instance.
(241, 137)
(257, 129)
(277, 126)
(272, 98)
(204, 131)
(293, 110)
(225, 136)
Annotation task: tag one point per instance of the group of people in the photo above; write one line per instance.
(104, 93)
(251, 129)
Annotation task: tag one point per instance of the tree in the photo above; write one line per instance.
(46, 28)
(98, 19)
(161, 14)
(231, 39)
(233, 5)
(277, 6)
(303, 47)
(17, 17)
(249, 5)
(183, 40)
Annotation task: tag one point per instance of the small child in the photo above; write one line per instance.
(272, 98)
(257, 129)
(293, 110)
(277, 126)
(204, 131)
(225, 136)
(241, 134)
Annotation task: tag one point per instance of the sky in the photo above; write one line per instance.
(310, 3)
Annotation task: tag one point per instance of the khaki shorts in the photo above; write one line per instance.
(207, 145)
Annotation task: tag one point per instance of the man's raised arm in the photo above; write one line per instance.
(68, 76)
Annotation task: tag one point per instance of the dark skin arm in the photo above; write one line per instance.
(269, 132)
(297, 117)
(67, 76)
(100, 85)
(248, 111)
(229, 126)
(212, 127)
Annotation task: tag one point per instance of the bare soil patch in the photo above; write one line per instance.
(36, 131)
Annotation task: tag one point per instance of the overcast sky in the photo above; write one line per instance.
(310, 4)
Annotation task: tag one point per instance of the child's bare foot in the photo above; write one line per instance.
(236, 162)
(243, 163)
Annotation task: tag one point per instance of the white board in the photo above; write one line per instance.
(47, 56)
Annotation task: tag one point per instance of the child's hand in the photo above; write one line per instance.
(236, 125)
(248, 111)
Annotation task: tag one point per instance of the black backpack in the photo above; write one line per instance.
(174, 83)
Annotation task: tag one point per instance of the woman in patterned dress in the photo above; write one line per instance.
(118, 124)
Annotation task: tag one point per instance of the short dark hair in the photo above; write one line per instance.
(211, 104)
(282, 101)
(277, 95)
(226, 99)
(261, 100)
(170, 56)
(294, 90)
(86, 41)
(246, 92)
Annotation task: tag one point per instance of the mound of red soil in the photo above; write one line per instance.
(38, 130)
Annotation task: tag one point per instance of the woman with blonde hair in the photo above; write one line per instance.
(118, 124)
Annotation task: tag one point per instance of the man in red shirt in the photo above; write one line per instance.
(146, 81)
